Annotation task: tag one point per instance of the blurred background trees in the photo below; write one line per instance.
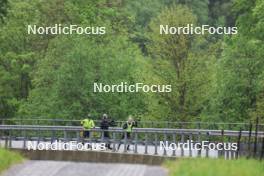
(213, 77)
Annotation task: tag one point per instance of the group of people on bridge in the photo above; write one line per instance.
(106, 122)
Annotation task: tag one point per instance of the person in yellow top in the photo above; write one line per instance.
(128, 127)
(87, 124)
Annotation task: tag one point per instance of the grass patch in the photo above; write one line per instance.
(8, 158)
(215, 167)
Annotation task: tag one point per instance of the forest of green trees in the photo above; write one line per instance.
(216, 78)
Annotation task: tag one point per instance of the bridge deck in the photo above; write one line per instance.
(141, 150)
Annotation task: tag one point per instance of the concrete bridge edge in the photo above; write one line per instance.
(93, 156)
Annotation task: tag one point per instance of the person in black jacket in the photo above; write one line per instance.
(128, 127)
(105, 124)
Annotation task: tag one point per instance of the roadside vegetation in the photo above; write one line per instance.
(215, 167)
(8, 158)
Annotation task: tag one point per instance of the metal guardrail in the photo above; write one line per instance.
(141, 124)
(229, 133)
(143, 140)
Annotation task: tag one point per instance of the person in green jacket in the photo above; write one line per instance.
(128, 127)
(87, 124)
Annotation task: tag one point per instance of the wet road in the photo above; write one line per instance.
(58, 168)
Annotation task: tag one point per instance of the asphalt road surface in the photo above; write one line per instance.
(58, 168)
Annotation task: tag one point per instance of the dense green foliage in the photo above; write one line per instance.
(8, 158)
(217, 167)
(215, 78)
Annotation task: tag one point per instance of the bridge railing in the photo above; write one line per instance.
(141, 124)
(147, 141)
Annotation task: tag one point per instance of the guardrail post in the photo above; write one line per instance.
(222, 152)
(78, 136)
(207, 149)
(199, 152)
(52, 136)
(146, 143)
(6, 141)
(156, 144)
(114, 142)
(24, 139)
(10, 139)
(238, 143)
(190, 145)
(38, 136)
(256, 138)
(125, 141)
(174, 141)
(249, 140)
(165, 140)
(65, 136)
(229, 126)
(136, 142)
(182, 141)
